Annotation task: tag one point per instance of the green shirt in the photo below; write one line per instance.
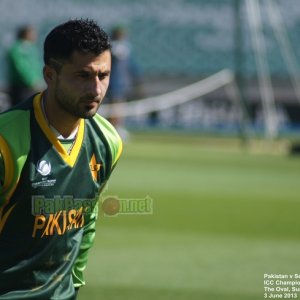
(49, 201)
(24, 64)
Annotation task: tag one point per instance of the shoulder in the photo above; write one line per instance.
(111, 136)
(15, 117)
(15, 139)
(15, 128)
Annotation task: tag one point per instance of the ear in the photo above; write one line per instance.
(49, 74)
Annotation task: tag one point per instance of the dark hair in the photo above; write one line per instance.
(75, 35)
(118, 31)
(23, 31)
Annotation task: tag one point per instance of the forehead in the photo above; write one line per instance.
(91, 61)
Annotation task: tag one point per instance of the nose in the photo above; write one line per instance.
(95, 87)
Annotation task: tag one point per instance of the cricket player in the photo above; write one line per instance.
(56, 155)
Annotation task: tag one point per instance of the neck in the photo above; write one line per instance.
(61, 120)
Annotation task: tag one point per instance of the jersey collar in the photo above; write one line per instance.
(70, 158)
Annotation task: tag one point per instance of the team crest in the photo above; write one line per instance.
(94, 167)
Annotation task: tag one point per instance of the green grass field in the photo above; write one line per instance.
(223, 217)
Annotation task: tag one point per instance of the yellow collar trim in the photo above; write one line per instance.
(70, 158)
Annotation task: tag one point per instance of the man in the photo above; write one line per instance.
(57, 155)
(125, 77)
(24, 67)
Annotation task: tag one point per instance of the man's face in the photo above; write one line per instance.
(81, 84)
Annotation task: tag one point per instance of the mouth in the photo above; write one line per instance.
(91, 103)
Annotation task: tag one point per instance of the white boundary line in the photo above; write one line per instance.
(170, 99)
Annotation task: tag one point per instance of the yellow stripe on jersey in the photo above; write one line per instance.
(8, 164)
(4, 216)
(8, 187)
(120, 149)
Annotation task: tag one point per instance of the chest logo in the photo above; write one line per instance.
(43, 167)
(94, 167)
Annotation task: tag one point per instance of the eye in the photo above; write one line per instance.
(102, 76)
(83, 75)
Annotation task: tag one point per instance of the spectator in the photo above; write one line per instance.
(24, 66)
(125, 74)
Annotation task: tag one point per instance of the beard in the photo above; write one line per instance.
(82, 107)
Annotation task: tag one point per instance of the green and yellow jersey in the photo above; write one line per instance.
(48, 201)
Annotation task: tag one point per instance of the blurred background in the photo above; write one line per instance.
(206, 95)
